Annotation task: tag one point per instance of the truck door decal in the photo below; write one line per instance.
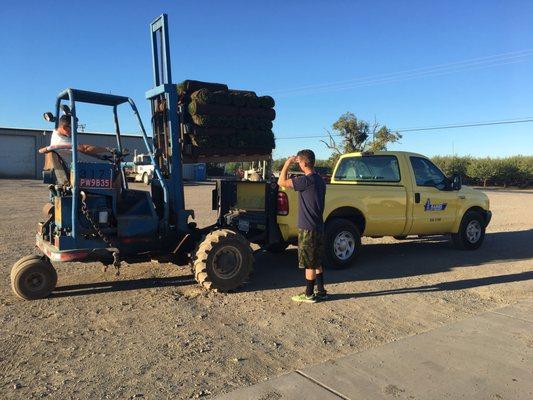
(434, 207)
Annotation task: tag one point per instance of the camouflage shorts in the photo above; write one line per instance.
(310, 248)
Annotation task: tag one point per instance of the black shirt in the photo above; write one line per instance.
(311, 195)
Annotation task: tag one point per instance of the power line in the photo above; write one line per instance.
(503, 122)
(401, 78)
(436, 70)
(431, 128)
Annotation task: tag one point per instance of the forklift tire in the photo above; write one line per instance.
(222, 261)
(27, 258)
(343, 243)
(33, 278)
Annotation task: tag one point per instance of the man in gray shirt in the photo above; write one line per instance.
(311, 190)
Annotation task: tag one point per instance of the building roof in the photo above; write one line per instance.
(44, 130)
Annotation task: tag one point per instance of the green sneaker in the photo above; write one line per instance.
(320, 296)
(302, 298)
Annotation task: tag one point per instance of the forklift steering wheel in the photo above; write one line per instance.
(116, 156)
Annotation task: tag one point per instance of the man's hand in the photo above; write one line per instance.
(291, 160)
(283, 180)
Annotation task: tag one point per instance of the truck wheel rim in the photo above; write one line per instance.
(473, 231)
(344, 245)
(227, 262)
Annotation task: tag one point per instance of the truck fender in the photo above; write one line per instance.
(352, 214)
(463, 211)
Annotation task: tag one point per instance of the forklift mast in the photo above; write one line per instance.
(166, 130)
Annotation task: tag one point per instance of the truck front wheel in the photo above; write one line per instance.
(222, 261)
(471, 232)
(343, 243)
(146, 179)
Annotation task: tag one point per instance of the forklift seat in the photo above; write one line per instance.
(55, 165)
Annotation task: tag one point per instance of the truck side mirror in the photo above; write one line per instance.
(456, 182)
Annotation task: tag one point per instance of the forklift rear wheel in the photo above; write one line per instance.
(33, 277)
(222, 261)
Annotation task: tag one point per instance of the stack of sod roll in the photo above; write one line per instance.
(225, 121)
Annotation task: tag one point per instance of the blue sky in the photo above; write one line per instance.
(406, 64)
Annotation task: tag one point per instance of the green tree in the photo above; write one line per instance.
(382, 137)
(231, 167)
(453, 164)
(482, 169)
(358, 135)
(506, 171)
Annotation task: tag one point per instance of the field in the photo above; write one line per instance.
(154, 333)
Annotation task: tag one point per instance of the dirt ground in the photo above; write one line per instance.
(153, 333)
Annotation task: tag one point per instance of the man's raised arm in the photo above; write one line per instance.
(283, 180)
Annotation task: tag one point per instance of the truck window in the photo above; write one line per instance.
(426, 173)
(368, 169)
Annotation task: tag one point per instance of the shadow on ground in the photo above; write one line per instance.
(398, 260)
(376, 261)
(119, 286)
(443, 286)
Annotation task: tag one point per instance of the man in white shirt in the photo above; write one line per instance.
(62, 140)
(61, 143)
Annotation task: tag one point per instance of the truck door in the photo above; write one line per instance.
(435, 205)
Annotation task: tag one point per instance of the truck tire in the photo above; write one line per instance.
(33, 278)
(223, 261)
(471, 232)
(277, 248)
(146, 179)
(343, 243)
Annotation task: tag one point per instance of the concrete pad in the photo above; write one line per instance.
(522, 310)
(486, 357)
(489, 356)
(286, 387)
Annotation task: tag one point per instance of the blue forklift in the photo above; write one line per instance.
(93, 216)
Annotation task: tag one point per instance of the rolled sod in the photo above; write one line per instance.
(240, 139)
(212, 109)
(237, 98)
(266, 102)
(202, 131)
(252, 100)
(189, 86)
(269, 113)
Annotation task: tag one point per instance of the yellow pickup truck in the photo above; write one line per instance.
(389, 193)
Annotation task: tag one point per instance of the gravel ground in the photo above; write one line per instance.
(153, 333)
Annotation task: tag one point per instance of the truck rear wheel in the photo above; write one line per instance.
(33, 278)
(343, 243)
(471, 232)
(222, 261)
